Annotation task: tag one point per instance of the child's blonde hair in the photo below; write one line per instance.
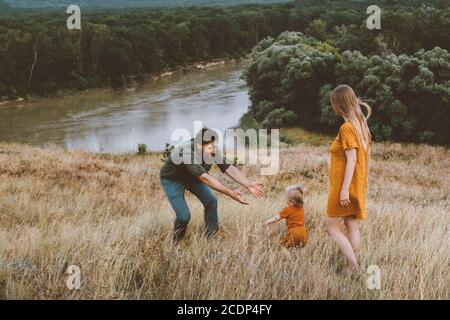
(295, 195)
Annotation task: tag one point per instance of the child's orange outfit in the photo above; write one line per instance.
(296, 234)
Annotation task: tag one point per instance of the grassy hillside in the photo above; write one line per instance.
(129, 3)
(107, 215)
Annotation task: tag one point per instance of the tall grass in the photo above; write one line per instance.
(107, 215)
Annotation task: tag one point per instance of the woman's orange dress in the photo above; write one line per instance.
(348, 139)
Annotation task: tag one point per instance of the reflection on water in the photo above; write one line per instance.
(119, 121)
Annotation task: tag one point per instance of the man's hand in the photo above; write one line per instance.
(218, 186)
(255, 188)
(237, 196)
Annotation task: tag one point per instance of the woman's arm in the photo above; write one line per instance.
(349, 171)
(368, 165)
(272, 220)
(253, 187)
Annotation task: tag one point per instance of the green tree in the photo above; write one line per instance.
(317, 29)
(4, 7)
(288, 72)
(410, 94)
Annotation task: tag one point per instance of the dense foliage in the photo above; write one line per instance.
(130, 3)
(39, 55)
(402, 69)
(4, 7)
(291, 78)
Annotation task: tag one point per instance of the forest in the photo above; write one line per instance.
(291, 78)
(39, 55)
(130, 3)
(402, 69)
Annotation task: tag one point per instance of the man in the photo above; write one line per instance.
(182, 172)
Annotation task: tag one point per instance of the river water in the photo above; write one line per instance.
(118, 121)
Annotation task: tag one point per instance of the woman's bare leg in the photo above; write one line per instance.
(353, 234)
(335, 232)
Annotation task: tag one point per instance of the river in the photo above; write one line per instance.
(117, 121)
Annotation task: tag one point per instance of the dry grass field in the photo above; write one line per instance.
(107, 215)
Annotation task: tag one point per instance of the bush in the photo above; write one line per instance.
(279, 117)
(291, 78)
(142, 149)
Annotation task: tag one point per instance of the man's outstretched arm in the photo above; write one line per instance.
(254, 188)
(218, 186)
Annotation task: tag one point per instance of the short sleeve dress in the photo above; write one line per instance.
(348, 139)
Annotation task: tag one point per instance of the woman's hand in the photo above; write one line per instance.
(237, 196)
(345, 198)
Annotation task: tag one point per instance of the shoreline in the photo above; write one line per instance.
(133, 80)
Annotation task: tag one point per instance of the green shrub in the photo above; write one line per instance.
(291, 78)
(142, 149)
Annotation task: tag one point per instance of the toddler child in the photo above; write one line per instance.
(296, 234)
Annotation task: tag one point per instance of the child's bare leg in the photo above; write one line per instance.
(286, 253)
(353, 234)
(334, 230)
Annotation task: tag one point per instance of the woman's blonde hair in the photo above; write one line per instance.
(295, 195)
(346, 104)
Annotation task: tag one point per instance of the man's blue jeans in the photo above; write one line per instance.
(175, 193)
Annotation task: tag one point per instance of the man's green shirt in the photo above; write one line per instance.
(186, 171)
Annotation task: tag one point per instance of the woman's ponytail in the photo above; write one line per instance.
(368, 109)
(367, 136)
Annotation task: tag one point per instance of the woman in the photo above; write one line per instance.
(349, 171)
